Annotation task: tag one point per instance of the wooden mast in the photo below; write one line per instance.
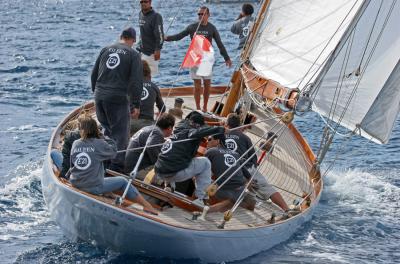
(237, 77)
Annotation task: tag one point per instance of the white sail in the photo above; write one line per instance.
(360, 84)
(294, 35)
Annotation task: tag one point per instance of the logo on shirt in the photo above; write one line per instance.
(167, 146)
(113, 61)
(145, 94)
(231, 144)
(229, 160)
(82, 161)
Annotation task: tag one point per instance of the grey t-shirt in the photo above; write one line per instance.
(139, 139)
(87, 156)
(242, 28)
(150, 95)
(209, 31)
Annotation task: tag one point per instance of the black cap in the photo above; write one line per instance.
(179, 100)
(196, 118)
(129, 33)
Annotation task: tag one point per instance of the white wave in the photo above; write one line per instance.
(25, 210)
(366, 192)
(26, 129)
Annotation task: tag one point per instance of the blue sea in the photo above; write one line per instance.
(48, 48)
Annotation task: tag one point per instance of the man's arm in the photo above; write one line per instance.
(178, 36)
(158, 35)
(221, 46)
(206, 131)
(95, 71)
(135, 87)
(159, 101)
(236, 27)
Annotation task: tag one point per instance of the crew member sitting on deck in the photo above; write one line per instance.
(87, 172)
(150, 95)
(222, 159)
(237, 141)
(177, 161)
(162, 129)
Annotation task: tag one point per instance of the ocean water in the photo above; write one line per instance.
(48, 48)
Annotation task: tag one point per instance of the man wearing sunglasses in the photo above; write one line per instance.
(151, 35)
(209, 31)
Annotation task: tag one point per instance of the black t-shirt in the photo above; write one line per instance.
(150, 95)
(118, 75)
(240, 143)
(223, 159)
(151, 32)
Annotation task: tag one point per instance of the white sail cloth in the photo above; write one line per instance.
(294, 33)
(361, 80)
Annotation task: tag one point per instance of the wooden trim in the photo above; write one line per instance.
(188, 90)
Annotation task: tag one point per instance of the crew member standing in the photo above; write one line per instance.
(209, 31)
(117, 78)
(243, 24)
(151, 35)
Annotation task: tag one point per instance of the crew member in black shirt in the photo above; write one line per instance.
(151, 35)
(222, 159)
(150, 95)
(239, 142)
(177, 161)
(117, 78)
(209, 31)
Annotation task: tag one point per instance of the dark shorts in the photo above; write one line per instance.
(233, 195)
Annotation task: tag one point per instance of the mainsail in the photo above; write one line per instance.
(296, 37)
(359, 86)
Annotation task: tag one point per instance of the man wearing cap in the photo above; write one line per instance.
(210, 32)
(177, 161)
(151, 35)
(117, 83)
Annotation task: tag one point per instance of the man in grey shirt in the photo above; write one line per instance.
(151, 35)
(117, 77)
(162, 129)
(210, 32)
(243, 23)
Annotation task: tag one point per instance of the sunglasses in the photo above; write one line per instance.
(144, 2)
(200, 14)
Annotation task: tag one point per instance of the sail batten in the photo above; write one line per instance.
(296, 37)
(359, 86)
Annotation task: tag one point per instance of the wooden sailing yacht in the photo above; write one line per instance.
(340, 58)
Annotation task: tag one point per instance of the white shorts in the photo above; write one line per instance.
(194, 76)
(153, 64)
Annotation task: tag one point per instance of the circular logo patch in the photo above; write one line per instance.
(229, 160)
(231, 144)
(167, 146)
(113, 61)
(82, 161)
(145, 94)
